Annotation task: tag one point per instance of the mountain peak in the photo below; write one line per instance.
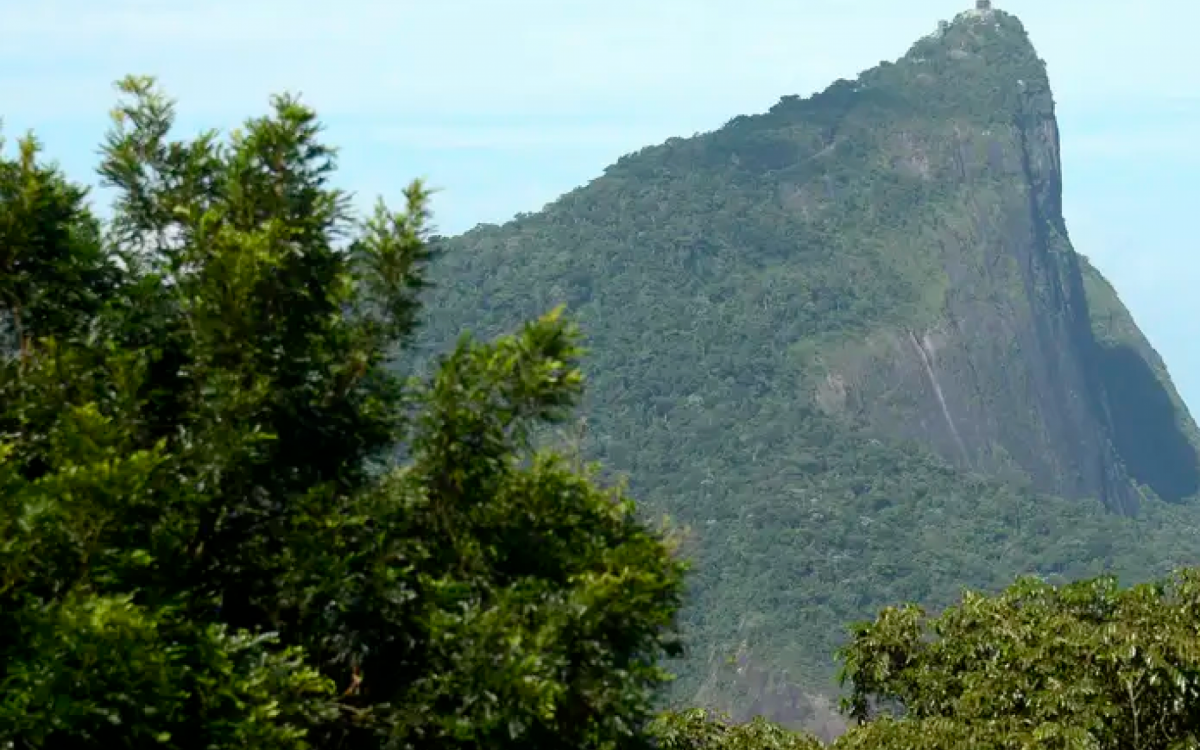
(982, 9)
(849, 343)
(982, 34)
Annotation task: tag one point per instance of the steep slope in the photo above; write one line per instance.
(1154, 433)
(849, 343)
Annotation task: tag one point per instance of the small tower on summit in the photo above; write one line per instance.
(983, 4)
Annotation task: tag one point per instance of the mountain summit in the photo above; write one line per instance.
(849, 343)
(987, 353)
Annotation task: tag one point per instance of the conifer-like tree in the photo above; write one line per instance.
(227, 523)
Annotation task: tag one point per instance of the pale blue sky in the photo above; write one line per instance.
(505, 104)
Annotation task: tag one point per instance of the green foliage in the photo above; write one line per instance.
(207, 537)
(844, 524)
(752, 297)
(1086, 665)
(48, 243)
(100, 671)
(698, 729)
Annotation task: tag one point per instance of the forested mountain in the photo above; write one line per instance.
(849, 344)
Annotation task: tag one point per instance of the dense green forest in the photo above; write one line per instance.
(275, 474)
(209, 540)
(206, 540)
(1085, 665)
(848, 344)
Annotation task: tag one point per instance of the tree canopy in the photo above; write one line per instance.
(226, 521)
(1084, 666)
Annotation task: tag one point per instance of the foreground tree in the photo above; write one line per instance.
(1087, 665)
(206, 540)
(698, 729)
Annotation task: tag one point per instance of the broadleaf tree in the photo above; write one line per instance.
(1083, 666)
(1086, 665)
(227, 521)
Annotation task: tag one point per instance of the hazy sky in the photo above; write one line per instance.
(505, 104)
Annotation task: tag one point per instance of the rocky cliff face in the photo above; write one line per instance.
(1006, 377)
(849, 344)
